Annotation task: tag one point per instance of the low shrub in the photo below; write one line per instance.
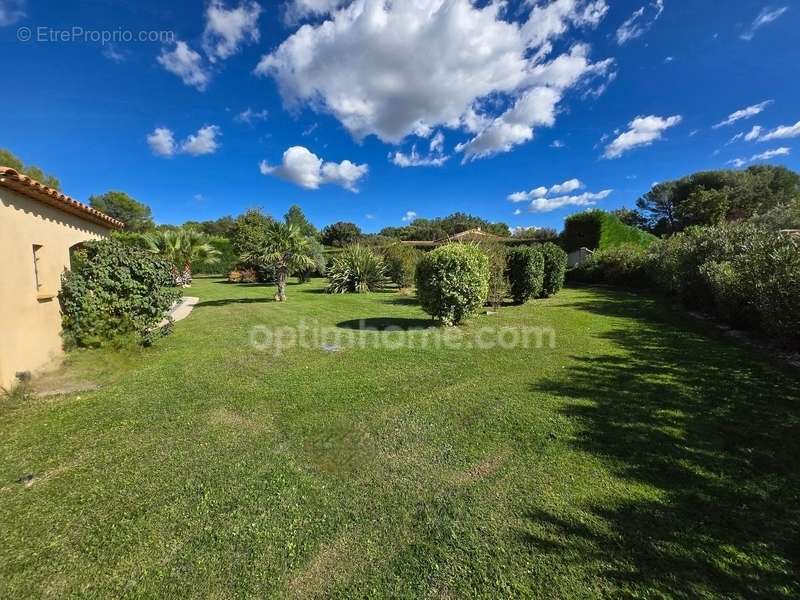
(626, 265)
(356, 269)
(555, 268)
(526, 273)
(401, 264)
(243, 276)
(116, 291)
(453, 282)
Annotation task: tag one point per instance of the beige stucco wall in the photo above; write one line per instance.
(30, 318)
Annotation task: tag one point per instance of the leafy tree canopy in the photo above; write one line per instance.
(715, 197)
(135, 215)
(8, 159)
(443, 227)
(341, 234)
(295, 216)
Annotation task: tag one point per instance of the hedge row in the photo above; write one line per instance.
(455, 280)
(742, 274)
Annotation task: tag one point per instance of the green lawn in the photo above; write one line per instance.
(643, 456)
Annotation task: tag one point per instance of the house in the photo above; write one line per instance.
(38, 228)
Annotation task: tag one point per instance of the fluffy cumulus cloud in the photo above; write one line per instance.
(769, 154)
(187, 64)
(162, 142)
(11, 11)
(304, 168)
(228, 28)
(765, 17)
(642, 131)
(640, 22)
(463, 66)
(744, 113)
(546, 199)
(409, 216)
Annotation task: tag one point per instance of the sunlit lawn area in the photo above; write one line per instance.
(644, 455)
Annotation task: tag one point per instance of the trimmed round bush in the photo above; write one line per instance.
(526, 273)
(453, 282)
(356, 269)
(115, 291)
(555, 269)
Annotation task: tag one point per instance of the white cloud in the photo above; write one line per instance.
(251, 116)
(745, 113)
(642, 131)
(227, 29)
(539, 192)
(753, 133)
(409, 216)
(565, 188)
(162, 142)
(455, 56)
(765, 17)
(11, 11)
(585, 199)
(740, 162)
(297, 10)
(304, 168)
(186, 64)
(435, 157)
(640, 22)
(736, 138)
(114, 54)
(557, 144)
(543, 199)
(781, 133)
(202, 142)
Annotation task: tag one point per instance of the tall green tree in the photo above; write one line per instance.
(8, 159)
(295, 216)
(183, 248)
(136, 215)
(341, 234)
(286, 250)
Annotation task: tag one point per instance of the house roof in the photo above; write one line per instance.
(24, 185)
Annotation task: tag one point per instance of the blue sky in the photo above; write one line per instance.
(366, 111)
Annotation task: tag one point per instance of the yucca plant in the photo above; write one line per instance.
(356, 269)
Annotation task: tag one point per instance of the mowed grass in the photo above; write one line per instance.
(643, 456)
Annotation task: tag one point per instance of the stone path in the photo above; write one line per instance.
(181, 310)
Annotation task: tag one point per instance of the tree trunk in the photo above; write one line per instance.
(187, 275)
(280, 279)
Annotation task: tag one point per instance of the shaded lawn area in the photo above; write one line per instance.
(642, 456)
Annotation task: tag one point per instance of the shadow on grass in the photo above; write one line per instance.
(712, 431)
(402, 301)
(387, 324)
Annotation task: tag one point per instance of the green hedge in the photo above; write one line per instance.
(555, 268)
(115, 291)
(597, 229)
(742, 274)
(453, 282)
(526, 273)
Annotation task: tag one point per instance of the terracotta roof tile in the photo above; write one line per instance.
(31, 188)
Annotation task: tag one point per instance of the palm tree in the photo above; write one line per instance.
(285, 249)
(183, 248)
